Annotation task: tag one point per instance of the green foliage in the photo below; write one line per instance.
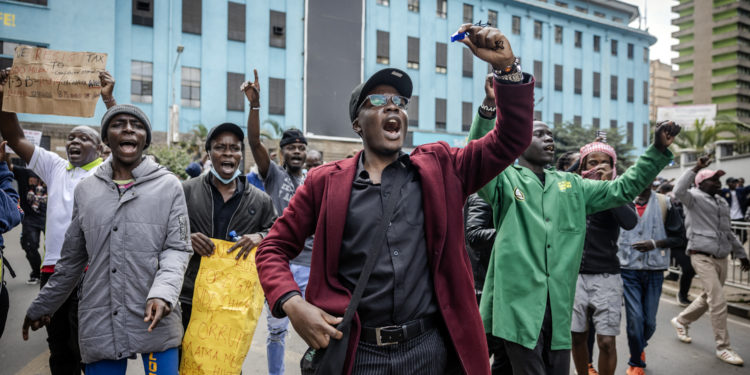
(702, 137)
(176, 159)
(274, 133)
(571, 137)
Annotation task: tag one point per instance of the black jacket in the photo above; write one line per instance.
(254, 214)
(480, 235)
(602, 231)
(741, 197)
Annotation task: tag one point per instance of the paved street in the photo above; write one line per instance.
(665, 354)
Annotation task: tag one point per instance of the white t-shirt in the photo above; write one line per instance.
(735, 212)
(61, 182)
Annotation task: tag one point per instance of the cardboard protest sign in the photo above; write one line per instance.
(50, 82)
(227, 302)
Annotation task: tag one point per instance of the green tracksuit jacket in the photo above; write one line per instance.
(540, 235)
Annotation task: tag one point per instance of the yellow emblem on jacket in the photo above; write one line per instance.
(564, 185)
(519, 194)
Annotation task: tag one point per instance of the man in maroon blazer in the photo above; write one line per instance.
(421, 291)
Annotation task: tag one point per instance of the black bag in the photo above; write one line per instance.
(330, 360)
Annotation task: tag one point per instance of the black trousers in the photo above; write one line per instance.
(688, 272)
(62, 336)
(541, 360)
(30, 244)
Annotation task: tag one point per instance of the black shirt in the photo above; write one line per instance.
(400, 287)
(223, 211)
(602, 230)
(35, 213)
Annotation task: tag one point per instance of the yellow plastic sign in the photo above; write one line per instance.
(227, 302)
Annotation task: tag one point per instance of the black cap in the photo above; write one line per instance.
(225, 127)
(388, 76)
(292, 136)
(731, 180)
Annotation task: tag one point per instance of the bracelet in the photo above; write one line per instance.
(653, 243)
(254, 108)
(488, 108)
(108, 101)
(513, 67)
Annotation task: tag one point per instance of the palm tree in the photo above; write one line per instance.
(276, 130)
(702, 137)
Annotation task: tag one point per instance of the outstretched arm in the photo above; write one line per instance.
(260, 154)
(108, 88)
(9, 127)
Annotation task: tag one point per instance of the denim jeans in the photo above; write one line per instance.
(642, 293)
(277, 328)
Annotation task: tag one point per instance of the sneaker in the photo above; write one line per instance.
(682, 331)
(729, 356)
(592, 370)
(682, 301)
(32, 280)
(632, 370)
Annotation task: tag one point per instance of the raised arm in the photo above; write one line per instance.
(683, 183)
(260, 154)
(108, 88)
(626, 216)
(9, 127)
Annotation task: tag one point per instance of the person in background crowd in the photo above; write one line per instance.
(221, 202)
(598, 296)
(34, 204)
(480, 235)
(281, 183)
(566, 160)
(710, 240)
(193, 169)
(314, 159)
(539, 215)
(678, 254)
(106, 152)
(10, 215)
(419, 300)
(644, 256)
(736, 196)
(83, 148)
(130, 230)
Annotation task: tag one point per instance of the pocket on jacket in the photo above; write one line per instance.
(569, 213)
(658, 258)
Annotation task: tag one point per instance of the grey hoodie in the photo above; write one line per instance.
(136, 247)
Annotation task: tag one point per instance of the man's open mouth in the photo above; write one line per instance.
(392, 128)
(128, 146)
(227, 166)
(74, 151)
(549, 148)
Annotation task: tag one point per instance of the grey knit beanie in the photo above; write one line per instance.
(127, 109)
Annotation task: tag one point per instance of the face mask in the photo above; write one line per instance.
(225, 181)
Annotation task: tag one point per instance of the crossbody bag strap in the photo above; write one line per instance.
(375, 251)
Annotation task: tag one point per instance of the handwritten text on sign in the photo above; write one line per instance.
(227, 302)
(53, 82)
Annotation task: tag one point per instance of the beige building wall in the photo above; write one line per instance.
(660, 91)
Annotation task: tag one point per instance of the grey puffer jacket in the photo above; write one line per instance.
(137, 247)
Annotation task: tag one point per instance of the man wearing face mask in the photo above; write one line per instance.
(710, 240)
(540, 217)
(220, 202)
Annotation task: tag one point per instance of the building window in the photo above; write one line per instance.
(468, 13)
(561, 4)
(191, 16)
(645, 92)
(37, 2)
(577, 78)
(631, 89)
(382, 2)
(383, 56)
(558, 118)
(630, 51)
(441, 58)
(191, 87)
(614, 47)
(442, 8)
(597, 84)
(141, 78)
(582, 9)
(413, 5)
(235, 97)
(558, 77)
(277, 32)
(645, 135)
(558, 34)
(595, 123)
(600, 14)
(537, 115)
(492, 18)
(577, 120)
(468, 63)
(516, 25)
(578, 39)
(413, 111)
(467, 114)
(538, 73)
(412, 53)
(618, 19)
(613, 87)
(597, 41)
(236, 22)
(645, 54)
(440, 114)
(143, 12)
(276, 96)
(613, 124)
(630, 133)
(538, 30)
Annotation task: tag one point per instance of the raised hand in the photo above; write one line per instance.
(488, 44)
(108, 84)
(665, 133)
(703, 162)
(252, 90)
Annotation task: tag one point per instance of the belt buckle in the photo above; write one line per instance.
(379, 339)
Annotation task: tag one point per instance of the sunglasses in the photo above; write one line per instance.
(379, 100)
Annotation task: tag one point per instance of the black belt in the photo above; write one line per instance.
(390, 335)
(693, 252)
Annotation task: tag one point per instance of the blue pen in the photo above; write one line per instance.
(233, 235)
(458, 36)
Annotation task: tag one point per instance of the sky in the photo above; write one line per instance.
(658, 16)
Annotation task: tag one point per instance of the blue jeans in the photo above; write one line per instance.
(642, 293)
(162, 363)
(277, 328)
